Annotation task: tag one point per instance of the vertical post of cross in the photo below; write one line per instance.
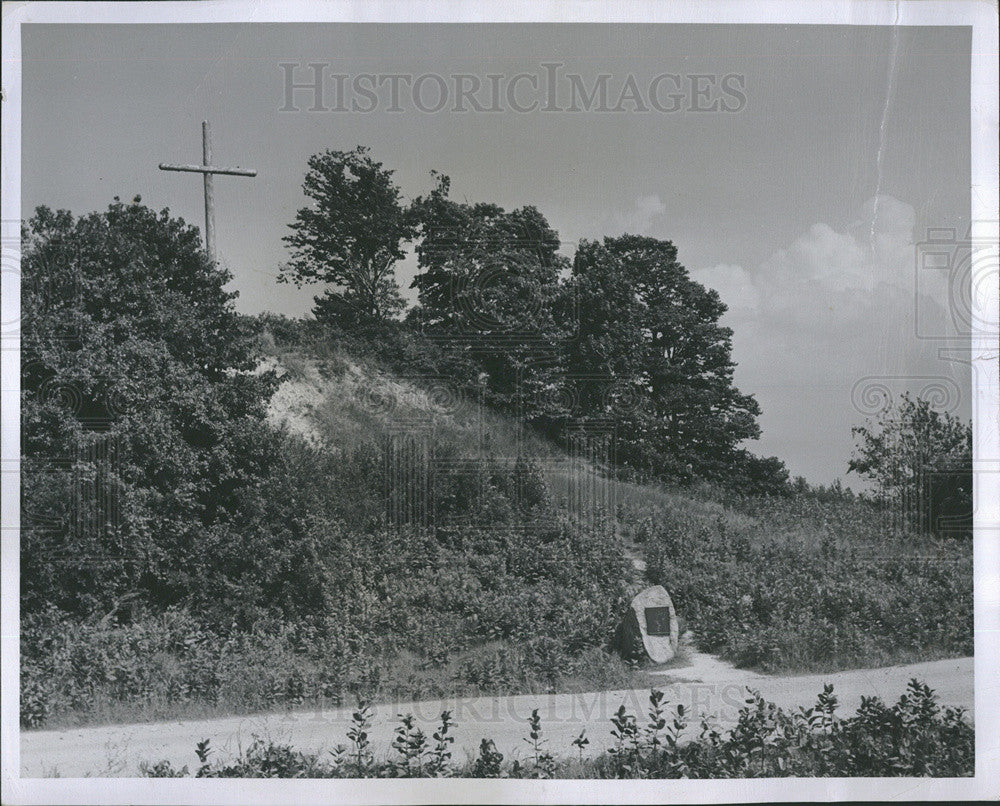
(206, 148)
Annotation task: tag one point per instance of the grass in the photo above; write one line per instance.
(272, 680)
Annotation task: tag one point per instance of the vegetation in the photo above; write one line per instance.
(643, 322)
(921, 462)
(798, 584)
(622, 332)
(349, 238)
(512, 596)
(507, 593)
(913, 737)
(143, 438)
(489, 290)
(183, 553)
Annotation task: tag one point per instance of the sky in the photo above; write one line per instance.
(806, 202)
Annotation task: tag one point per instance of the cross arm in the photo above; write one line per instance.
(208, 169)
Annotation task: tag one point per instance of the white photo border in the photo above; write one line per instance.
(985, 203)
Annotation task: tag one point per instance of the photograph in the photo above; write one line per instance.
(541, 404)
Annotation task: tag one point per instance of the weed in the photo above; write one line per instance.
(488, 762)
(914, 737)
(440, 756)
(544, 762)
(358, 735)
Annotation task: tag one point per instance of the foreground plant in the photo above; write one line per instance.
(544, 762)
(914, 737)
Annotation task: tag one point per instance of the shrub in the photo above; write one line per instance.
(778, 592)
(332, 601)
(914, 737)
(141, 418)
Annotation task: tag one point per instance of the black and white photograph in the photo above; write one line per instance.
(533, 403)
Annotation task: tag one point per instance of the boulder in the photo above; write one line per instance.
(649, 627)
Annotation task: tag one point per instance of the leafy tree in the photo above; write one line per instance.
(757, 475)
(642, 320)
(604, 323)
(350, 237)
(142, 417)
(488, 284)
(920, 460)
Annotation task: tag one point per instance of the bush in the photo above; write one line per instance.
(807, 585)
(142, 420)
(914, 737)
(330, 600)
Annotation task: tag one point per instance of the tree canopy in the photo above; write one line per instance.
(643, 322)
(488, 283)
(143, 433)
(350, 237)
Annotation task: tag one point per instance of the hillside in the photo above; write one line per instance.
(436, 548)
(339, 403)
(799, 584)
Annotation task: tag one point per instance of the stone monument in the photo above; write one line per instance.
(649, 626)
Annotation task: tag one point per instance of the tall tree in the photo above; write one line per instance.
(142, 416)
(920, 460)
(487, 285)
(350, 237)
(644, 321)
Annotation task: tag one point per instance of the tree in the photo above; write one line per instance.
(488, 283)
(142, 417)
(350, 238)
(757, 475)
(643, 322)
(603, 319)
(920, 460)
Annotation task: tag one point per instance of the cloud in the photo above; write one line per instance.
(639, 220)
(827, 277)
(821, 314)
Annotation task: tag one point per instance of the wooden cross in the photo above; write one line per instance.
(207, 169)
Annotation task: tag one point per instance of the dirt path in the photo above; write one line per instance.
(704, 684)
(707, 686)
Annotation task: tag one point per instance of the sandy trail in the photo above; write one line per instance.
(707, 686)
